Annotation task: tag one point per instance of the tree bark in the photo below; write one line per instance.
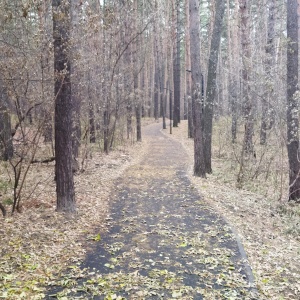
(6, 144)
(267, 108)
(157, 90)
(233, 51)
(292, 105)
(199, 162)
(188, 72)
(75, 78)
(211, 82)
(177, 79)
(63, 107)
(246, 57)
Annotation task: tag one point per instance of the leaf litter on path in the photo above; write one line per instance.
(164, 241)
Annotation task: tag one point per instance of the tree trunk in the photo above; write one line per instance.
(233, 51)
(246, 56)
(75, 78)
(267, 108)
(92, 129)
(171, 109)
(6, 145)
(188, 72)
(199, 162)
(177, 80)
(157, 90)
(292, 105)
(211, 82)
(106, 131)
(2, 208)
(138, 122)
(63, 107)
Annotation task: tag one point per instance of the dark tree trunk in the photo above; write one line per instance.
(2, 208)
(190, 118)
(156, 92)
(163, 91)
(129, 119)
(63, 107)
(171, 110)
(161, 79)
(92, 128)
(233, 84)
(6, 145)
(199, 162)
(292, 106)
(164, 111)
(136, 74)
(188, 72)
(185, 107)
(177, 79)
(48, 127)
(106, 131)
(138, 122)
(211, 81)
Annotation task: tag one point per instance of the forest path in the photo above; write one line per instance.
(164, 241)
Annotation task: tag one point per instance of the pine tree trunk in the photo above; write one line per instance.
(292, 105)
(199, 162)
(247, 100)
(267, 107)
(6, 144)
(211, 82)
(233, 88)
(177, 79)
(188, 72)
(63, 107)
(91, 110)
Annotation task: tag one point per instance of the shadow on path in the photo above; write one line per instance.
(164, 241)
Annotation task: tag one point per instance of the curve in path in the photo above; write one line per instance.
(164, 241)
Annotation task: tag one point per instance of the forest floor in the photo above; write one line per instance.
(41, 248)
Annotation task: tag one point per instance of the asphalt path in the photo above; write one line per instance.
(164, 241)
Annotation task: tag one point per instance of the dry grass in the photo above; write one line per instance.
(266, 223)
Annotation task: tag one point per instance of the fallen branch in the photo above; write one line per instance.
(43, 161)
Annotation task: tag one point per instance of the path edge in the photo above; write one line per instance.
(245, 261)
